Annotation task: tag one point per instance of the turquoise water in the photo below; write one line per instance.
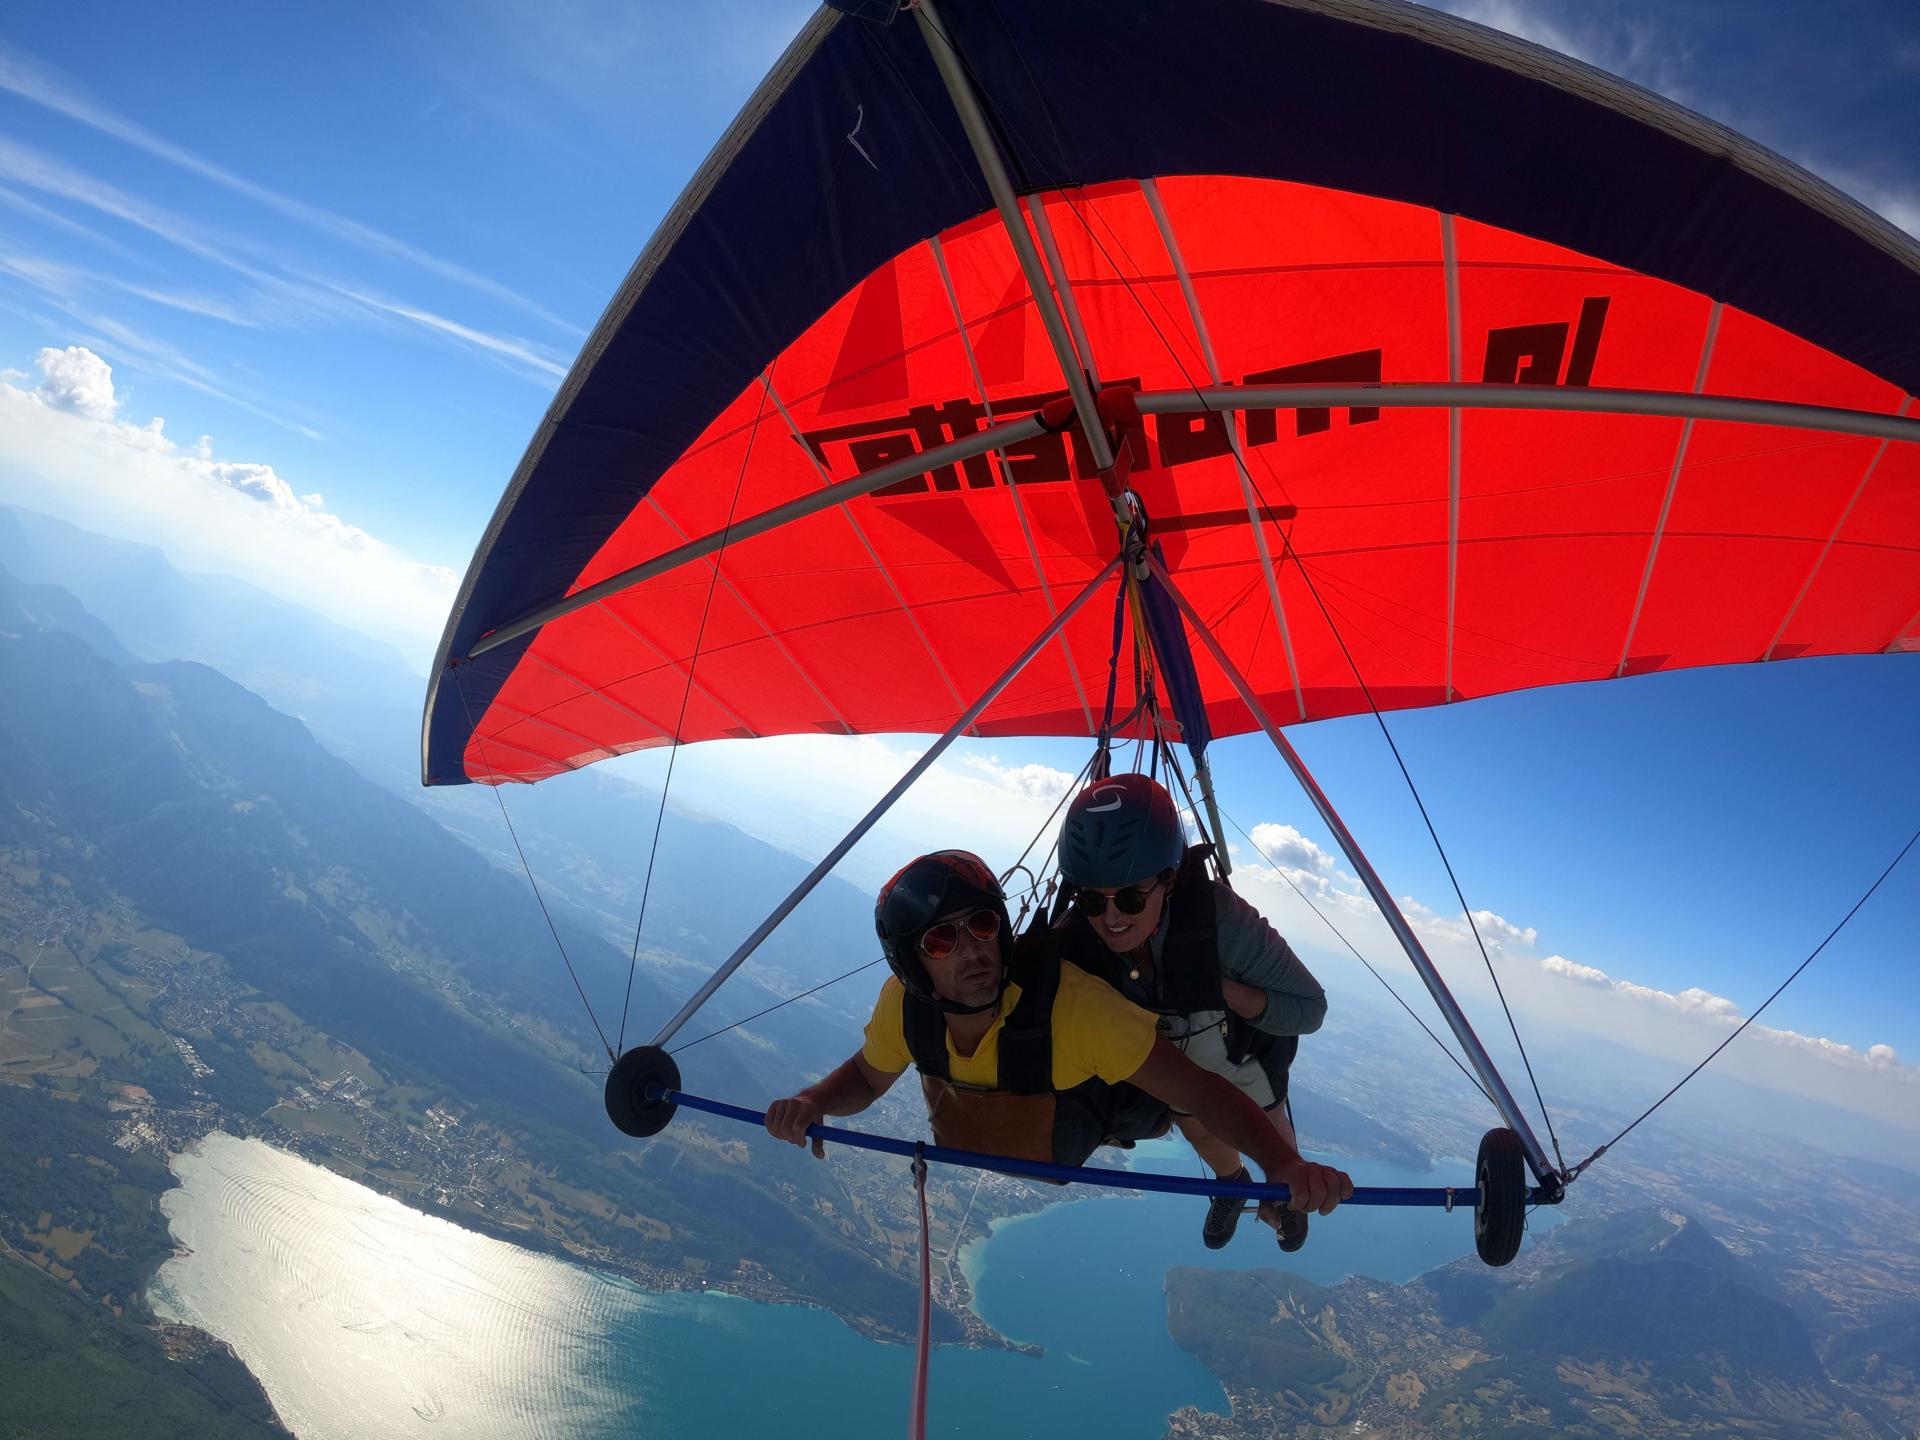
(363, 1317)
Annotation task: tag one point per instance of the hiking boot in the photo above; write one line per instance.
(1292, 1229)
(1223, 1214)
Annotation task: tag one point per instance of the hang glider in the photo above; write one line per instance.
(1396, 361)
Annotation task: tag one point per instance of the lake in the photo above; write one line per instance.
(364, 1317)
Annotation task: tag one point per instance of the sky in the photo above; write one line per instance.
(287, 290)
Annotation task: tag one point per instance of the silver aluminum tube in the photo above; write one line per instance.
(1012, 432)
(1203, 777)
(1449, 1007)
(1677, 404)
(867, 821)
(986, 152)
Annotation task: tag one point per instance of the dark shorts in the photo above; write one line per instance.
(1097, 1114)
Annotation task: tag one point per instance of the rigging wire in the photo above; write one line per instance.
(1380, 720)
(1472, 1079)
(1756, 1014)
(686, 693)
(1019, 864)
(780, 1005)
(473, 729)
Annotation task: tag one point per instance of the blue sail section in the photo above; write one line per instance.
(1177, 677)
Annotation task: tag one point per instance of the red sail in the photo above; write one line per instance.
(1457, 554)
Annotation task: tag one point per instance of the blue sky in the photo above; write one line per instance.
(356, 251)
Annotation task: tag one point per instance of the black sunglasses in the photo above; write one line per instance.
(1130, 900)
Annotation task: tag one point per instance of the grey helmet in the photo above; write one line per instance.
(1120, 831)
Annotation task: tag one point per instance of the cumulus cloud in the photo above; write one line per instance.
(1285, 846)
(77, 380)
(1572, 970)
(1303, 892)
(1497, 933)
(1041, 784)
(1685, 1024)
(63, 448)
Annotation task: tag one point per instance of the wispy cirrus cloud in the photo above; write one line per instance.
(521, 352)
(278, 291)
(39, 83)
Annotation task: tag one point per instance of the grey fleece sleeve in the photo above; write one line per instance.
(1253, 952)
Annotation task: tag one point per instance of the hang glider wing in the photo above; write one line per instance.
(1230, 195)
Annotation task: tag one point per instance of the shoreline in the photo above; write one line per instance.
(978, 1333)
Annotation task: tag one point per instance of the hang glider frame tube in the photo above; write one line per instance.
(1010, 432)
(1674, 404)
(886, 802)
(993, 167)
(1669, 403)
(1551, 1181)
(1437, 1197)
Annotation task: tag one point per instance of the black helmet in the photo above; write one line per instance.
(923, 891)
(1119, 831)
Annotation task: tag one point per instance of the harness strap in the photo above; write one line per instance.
(1026, 1036)
(925, 1030)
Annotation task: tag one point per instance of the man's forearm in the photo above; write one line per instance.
(1230, 1114)
(844, 1092)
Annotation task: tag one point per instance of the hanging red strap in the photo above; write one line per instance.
(917, 1417)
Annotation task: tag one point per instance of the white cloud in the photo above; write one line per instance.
(1285, 846)
(64, 451)
(1560, 965)
(34, 81)
(1497, 933)
(1041, 784)
(522, 352)
(1686, 1024)
(1654, 55)
(1638, 50)
(279, 291)
(77, 380)
(802, 792)
(1679, 1025)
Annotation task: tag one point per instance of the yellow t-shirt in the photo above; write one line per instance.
(1096, 1031)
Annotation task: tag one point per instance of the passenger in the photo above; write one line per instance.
(1037, 1060)
(1230, 994)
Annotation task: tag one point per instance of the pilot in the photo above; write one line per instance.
(1022, 1055)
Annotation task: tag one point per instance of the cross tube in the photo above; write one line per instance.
(1551, 1182)
(1486, 395)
